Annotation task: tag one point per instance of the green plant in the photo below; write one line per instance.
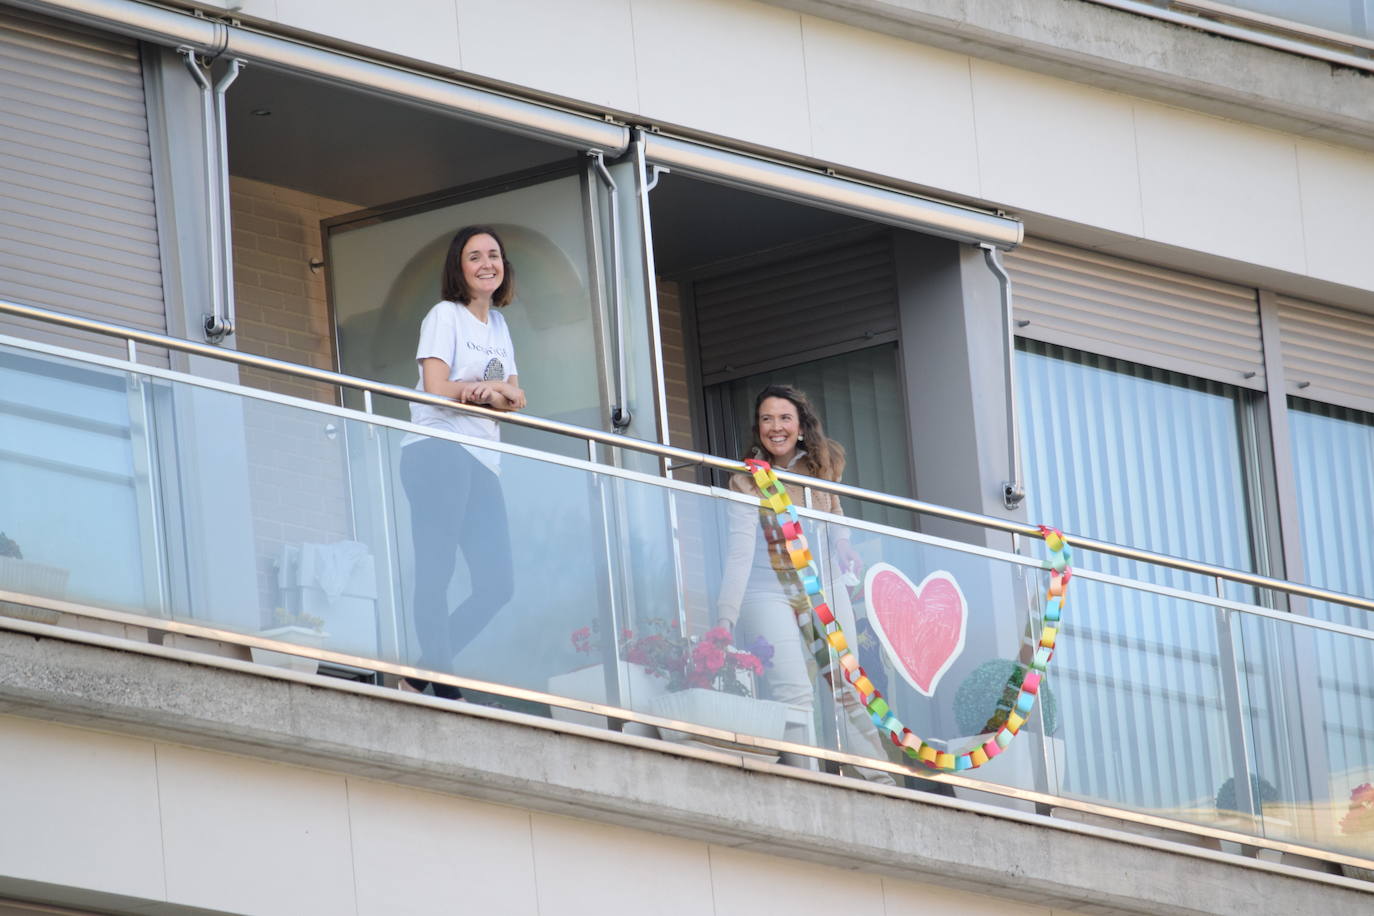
(1260, 790)
(9, 548)
(988, 694)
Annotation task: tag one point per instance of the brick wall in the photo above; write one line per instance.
(675, 367)
(697, 543)
(299, 484)
(282, 309)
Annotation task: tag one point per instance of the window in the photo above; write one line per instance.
(1152, 459)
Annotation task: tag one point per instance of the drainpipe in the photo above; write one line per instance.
(219, 323)
(620, 412)
(1013, 491)
(220, 326)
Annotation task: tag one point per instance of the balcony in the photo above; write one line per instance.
(182, 511)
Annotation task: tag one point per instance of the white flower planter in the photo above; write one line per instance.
(743, 715)
(31, 578)
(300, 636)
(590, 684)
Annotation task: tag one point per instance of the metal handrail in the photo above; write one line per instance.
(680, 455)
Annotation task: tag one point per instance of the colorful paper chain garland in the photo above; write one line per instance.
(799, 552)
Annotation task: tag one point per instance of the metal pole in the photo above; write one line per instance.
(1233, 693)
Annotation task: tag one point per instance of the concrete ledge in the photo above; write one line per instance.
(1133, 54)
(129, 688)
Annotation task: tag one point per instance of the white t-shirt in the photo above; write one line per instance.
(473, 352)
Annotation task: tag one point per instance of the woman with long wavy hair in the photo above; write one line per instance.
(760, 594)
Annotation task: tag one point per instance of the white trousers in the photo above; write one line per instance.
(766, 612)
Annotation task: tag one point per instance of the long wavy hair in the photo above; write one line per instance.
(824, 456)
(455, 286)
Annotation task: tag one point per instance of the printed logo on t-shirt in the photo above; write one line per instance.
(495, 371)
(485, 348)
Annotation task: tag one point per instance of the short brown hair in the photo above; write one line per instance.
(455, 287)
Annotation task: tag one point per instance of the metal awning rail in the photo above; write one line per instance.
(681, 456)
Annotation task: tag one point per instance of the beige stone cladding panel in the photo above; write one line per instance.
(1337, 212)
(891, 107)
(582, 50)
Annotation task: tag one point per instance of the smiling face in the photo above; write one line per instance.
(779, 425)
(483, 266)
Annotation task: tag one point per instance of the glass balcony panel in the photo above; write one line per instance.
(75, 504)
(1350, 17)
(494, 570)
(1310, 698)
(260, 515)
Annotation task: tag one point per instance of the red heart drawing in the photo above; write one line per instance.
(922, 627)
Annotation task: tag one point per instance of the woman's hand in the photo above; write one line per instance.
(513, 394)
(727, 624)
(496, 395)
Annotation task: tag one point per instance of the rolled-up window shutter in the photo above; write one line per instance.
(1133, 311)
(1328, 353)
(887, 206)
(796, 309)
(78, 232)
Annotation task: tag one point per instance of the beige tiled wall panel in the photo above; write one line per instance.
(728, 67)
(1337, 212)
(747, 883)
(426, 30)
(925, 132)
(1057, 147)
(244, 836)
(909, 897)
(1219, 187)
(582, 50)
(79, 808)
(413, 848)
(589, 869)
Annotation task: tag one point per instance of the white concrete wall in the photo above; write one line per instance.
(1133, 169)
(90, 811)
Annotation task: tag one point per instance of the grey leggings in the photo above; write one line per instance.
(455, 501)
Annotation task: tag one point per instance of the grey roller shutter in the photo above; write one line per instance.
(1328, 353)
(1133, 311)
(796, 309)
(78, 233)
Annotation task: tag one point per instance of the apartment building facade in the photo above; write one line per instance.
(1097, 265)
